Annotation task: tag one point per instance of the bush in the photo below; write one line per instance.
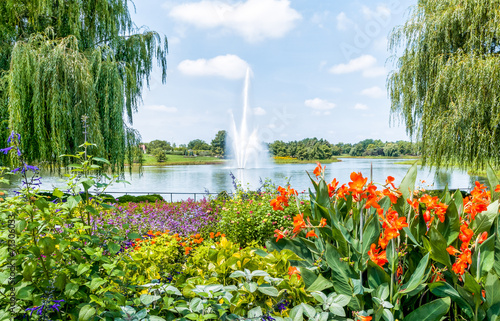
(138, 199)
(245, 220)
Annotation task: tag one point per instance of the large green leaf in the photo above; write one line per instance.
(485, 219)
(438, 248)
(371, 234)
(492, 182)
(341, 272)
(417, 277)
(408, 183)
(376, 275)
(432, 311)
(320, 284)
(443, 290)
(450, 228)
(87, 312)
(491, 288)
(487, 257)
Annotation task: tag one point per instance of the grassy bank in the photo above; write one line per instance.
(289, 160)
(150, 160)
(409, 162)
(382, 157)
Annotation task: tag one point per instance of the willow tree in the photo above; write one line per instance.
(446, 86)
(62, 59)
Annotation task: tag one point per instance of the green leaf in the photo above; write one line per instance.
(371, 234)
(147, 299)
(255, 312)
(432, 311)
(450, 228)
(443, 290)
(196, 305)
(417, 276)
(485, 219)
(320, 284)
(268, 290)
(491, 287)
(408, 183)
(377, 276)
(96, 283)
(86, 313)
(102, 160)
(438, 248)
(487, 257)
(341, 272)
(70, 289)
(492, 182)
(113, 248)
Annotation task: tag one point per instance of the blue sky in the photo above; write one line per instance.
(318, 68)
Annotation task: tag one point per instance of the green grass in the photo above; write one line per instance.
(380, 157)
(409, 162)
(311, 161)
(150, 160)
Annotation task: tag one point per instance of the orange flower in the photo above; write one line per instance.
(462, 262)
(318, 170)
(363, 318)
(379, 258)
(298, 223)
(465, 233)
(311, 234)
(393, 195)
(497, 189)
(482, 237)
(452, 250)
(223, 235)
(211, 235)
(293, 270)
(358, 183)
(322, 222)
(332, 187)
(279, 234)
(218, 234)
(389, 181)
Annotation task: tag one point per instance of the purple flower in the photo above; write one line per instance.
(6, 150)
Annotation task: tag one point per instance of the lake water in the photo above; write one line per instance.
(217, 178)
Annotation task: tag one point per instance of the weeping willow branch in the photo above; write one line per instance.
(446, 87)
(60, 60)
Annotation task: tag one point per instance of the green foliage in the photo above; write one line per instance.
(138, 199)
(62, 60)
(446, 89)
(198, 144)
(245, 220)
(219, 144)
(415, 277)
(159, 154)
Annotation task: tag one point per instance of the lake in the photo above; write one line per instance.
(216, 178)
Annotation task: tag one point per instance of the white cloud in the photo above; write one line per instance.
(365, 63)
(380, 11)
(161, 108)
(343, 23)
(319, 18)
(357, 64)
(319, 104)
(374, 92)
(360, 107)
(259, 111)
(228, 66)
(255, 20)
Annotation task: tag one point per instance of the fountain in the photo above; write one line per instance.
(247, 150)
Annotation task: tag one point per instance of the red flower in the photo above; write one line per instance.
(293, 270)
(379, 258)
(279, 234)
(311, 234)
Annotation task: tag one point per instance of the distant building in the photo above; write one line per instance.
(143, 147)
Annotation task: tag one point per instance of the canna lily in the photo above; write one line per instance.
(279, 234)
(322, 222)
(482, 237)
(311, 234)
(332, 187)
(293, 270)
(379, 258)
(298, 223)
(318, 170)
(358, 183)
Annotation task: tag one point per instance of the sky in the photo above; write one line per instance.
(318, 68)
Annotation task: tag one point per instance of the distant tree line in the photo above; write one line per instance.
(306, 149)
(313, 148)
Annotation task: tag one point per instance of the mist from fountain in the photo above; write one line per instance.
(247, 149)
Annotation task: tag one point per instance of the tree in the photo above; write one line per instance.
(61, 60)
(219, 144)
(161, 144)
(446, 88)
(198, 144)
(159, 154)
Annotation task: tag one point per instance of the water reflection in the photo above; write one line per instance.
(216, 178)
